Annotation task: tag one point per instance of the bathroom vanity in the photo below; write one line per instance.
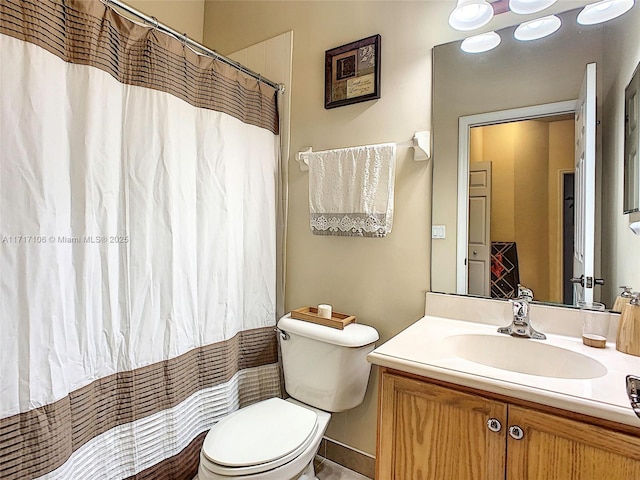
(457, 400)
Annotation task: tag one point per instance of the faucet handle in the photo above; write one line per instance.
(525, 293)
(520, 307)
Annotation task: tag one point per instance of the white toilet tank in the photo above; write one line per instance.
(325, 367)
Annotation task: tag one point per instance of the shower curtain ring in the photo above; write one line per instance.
(156, 23)
(184, 39)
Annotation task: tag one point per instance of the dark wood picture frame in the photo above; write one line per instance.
(352, 73)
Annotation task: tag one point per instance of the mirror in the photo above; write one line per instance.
(631, 143)
(525, 74)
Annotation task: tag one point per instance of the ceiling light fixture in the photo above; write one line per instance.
(481, 43)
(603, 11)
(525, 7)
(471, 14)
(539, 28)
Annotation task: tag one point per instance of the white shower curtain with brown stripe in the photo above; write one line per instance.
(138, 245)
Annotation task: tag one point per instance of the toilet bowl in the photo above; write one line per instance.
(325, 370)
(281, 448)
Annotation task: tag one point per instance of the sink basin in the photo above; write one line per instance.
(524, 355)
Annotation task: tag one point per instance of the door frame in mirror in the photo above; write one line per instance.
(464, 126)
(631, 182)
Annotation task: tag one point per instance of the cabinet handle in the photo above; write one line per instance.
(516, 432)
(494, 425)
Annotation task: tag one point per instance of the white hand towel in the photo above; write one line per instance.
(351, 191)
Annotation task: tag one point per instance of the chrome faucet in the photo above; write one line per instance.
(521, 324)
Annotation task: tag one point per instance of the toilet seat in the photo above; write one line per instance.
(258, 438)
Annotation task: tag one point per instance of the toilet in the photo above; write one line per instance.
(325, 371)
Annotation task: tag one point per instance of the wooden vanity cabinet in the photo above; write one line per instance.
(433, 432)
(429, 432)
(554, 447)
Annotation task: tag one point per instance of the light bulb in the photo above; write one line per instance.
(471, 14)
(539, 28)
(525, 7)
(603, 11)
(481, 43)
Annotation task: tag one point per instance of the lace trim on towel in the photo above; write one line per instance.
(350, 224)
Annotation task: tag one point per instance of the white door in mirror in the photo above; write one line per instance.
(585, 202)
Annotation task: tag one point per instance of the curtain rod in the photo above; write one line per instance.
(153, 22)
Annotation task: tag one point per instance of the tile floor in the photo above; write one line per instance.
(328, 470)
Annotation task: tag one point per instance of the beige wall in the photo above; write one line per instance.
(561, 159)
(498, 143)
(476, 144)
(184, 16)
(532, 205)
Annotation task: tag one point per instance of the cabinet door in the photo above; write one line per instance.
(427, 432)
(554, 448)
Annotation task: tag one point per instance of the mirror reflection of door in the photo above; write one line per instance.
(530, 160)
(585, 168)
(479, 255)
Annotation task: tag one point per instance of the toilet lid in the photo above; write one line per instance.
(261, 436)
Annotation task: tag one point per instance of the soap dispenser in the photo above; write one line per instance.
(628, 337)
(622, 299)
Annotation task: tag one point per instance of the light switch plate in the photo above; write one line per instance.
(438, 231)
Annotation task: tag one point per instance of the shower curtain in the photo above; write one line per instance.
(138, 245)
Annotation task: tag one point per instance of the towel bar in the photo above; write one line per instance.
(421, 143)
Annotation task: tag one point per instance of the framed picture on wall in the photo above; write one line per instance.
(352, 73)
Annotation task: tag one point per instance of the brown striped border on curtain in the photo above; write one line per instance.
(88, 33)
(182, 466)
(40, 440)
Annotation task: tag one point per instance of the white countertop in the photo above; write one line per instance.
(420, 349)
